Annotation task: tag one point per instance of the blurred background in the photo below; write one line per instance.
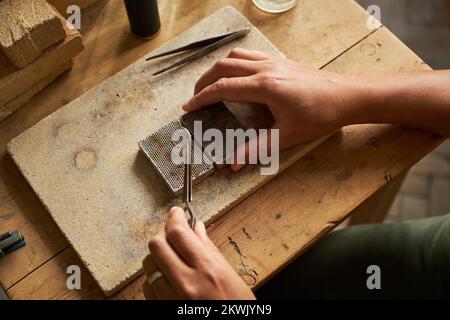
(424, 26)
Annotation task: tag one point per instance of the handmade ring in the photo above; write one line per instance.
(153, 277)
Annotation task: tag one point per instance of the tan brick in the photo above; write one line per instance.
(27, 28)
(14, 82)
(440, 196)
(15, 104)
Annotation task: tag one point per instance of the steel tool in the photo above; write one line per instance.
(207, 46)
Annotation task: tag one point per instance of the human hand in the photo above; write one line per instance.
(305, 103)
(191, 265)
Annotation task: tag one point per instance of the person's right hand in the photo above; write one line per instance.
(306, 103)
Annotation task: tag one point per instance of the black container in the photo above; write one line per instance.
(143, 16)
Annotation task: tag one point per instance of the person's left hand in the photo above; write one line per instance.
(191, 265)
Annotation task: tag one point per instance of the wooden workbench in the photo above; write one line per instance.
(359, 165)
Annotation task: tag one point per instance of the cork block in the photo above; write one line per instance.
(15, 104)
(27, 28)
(14, 81)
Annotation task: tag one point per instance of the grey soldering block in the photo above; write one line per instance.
(158, 149)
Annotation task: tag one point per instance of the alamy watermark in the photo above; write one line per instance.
(263, 147)
(373, 21)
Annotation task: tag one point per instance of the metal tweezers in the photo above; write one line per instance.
(208, 46)
(187, 192)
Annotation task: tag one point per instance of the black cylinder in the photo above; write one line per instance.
(144, 17)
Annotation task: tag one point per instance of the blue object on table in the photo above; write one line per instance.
(10, 242)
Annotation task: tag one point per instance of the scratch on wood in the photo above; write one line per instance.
(246, 233)
(387, 177)
(278, 216)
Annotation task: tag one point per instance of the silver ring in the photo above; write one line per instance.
(155, 276)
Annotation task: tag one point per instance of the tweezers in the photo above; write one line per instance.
(208, 45)
(11, 241)
(187, 192)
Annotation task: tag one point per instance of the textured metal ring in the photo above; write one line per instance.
(155, 276)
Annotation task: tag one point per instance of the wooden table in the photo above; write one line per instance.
(353, 170)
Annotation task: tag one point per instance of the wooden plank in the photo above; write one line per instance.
(308, 22)
(330, 182)
(306, 25)
(444, 149)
